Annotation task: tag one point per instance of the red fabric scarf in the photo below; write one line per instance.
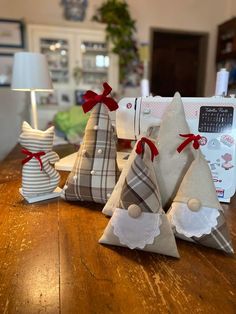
(189, 138)
(32, 155)
(140, 147)
(91, 99)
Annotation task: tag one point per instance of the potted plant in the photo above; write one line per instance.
(120, 32)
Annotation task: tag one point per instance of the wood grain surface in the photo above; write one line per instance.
(51, 262)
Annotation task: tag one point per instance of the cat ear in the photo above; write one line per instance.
(50, 130)
(26, 126)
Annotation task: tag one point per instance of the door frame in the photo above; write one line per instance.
(204, 39)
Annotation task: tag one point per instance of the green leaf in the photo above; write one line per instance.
(120, 31)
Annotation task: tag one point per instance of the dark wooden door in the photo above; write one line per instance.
(178, 64)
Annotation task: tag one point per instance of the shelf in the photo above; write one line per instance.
(95, 51)
(63, 47)
(226, 45)
(58, 70)
(226, 56)
(47, 107)
(105, 71)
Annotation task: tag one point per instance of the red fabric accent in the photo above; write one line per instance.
(189, 138)
(91, 99)
(32, 155)
(140, 147)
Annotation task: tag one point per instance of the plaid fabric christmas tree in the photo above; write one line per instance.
(95, 171)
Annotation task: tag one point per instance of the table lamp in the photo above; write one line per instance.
(30, 73)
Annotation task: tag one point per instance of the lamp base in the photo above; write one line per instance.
(39, 198)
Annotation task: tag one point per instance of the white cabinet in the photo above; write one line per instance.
(73, 50)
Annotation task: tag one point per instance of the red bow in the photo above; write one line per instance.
(190, 138)
(32, 155)
(91, 99)
(140, 147)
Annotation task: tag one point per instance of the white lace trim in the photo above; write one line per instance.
(136, 232)
(192, 224)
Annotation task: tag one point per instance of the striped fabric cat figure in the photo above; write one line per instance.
(38, 175)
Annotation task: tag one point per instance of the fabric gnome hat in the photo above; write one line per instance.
(140, 221)
(95, 171)
(196, 214)
(114, 200)
(39, 177)
(170, 165)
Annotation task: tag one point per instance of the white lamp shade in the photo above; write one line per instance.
(30, 72)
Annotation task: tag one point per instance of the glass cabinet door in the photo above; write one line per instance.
(95, 62)
(57, 53)
(58, 46)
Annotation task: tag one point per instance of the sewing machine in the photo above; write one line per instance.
(213, 118)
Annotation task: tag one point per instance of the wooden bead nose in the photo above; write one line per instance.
(134, 211)
(194, 204)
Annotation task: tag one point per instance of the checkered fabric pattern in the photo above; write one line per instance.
(139, 188)
(219, 237)
(95, 171)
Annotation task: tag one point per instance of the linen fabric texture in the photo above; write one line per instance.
(95, 171)
(140, 188)
(37, 181)
(170, 165)
(198, 184)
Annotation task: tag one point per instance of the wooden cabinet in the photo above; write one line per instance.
(226, 44)
(79, 59)
(226, 51)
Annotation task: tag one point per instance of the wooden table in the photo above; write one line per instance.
(51, 262)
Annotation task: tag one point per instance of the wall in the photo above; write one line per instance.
(186, 15)
(233, 8)
(12, 111)
(44, 11)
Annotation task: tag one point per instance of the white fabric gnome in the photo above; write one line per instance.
(95, 171)
(172, 166)
(140, 221)
(39, 177)
(196, 214)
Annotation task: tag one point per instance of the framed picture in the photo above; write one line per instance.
(6, 64)
(79, 97)
(47, 98)
(11, 33)
(65, 98)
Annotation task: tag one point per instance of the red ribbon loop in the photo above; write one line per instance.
(140, 147)
(190, 138)
(91, 99)
(32, 155)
